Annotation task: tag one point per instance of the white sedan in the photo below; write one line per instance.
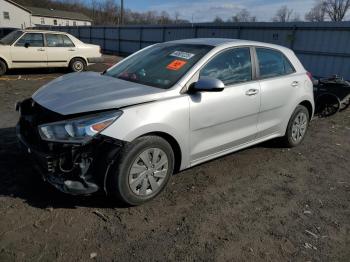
(38, 49)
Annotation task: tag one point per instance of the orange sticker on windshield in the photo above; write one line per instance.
(176, 65)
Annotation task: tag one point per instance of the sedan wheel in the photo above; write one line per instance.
(3, 68)
(77, 65)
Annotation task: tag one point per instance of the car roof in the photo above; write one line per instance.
(225, 42)
(41, 31)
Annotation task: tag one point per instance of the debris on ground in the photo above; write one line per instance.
(100, 215)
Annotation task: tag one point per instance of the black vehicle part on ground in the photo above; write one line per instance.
(77, 169)
(331, 95)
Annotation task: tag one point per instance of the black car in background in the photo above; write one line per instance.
(6, 30)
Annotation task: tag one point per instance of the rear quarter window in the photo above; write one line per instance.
(273, 63)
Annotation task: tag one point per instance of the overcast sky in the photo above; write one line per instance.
(207, 10)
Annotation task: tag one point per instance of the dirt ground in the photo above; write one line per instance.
(265, 203)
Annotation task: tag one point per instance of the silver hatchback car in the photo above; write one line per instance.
(163, 109)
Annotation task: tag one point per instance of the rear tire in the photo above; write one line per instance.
(77, 65)
(141, 171)
(3, 68)
(297, 127)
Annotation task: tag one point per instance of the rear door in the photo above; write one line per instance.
(29, 51)
(60, 49)
(279, 85)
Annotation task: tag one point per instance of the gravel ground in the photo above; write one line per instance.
(265, 203)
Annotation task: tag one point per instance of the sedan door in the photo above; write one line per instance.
(222, 121)
(60, 49)
(29, 51)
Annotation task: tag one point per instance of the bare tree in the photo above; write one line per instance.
(176, 16)
(317, 13)
(284, 14)
(336, 9)
(243, 16)
(218, 20)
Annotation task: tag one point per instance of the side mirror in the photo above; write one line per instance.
(26, 45)
(207, 84)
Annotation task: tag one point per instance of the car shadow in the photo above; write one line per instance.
(98, 67)
(37, 71)
(20, 180)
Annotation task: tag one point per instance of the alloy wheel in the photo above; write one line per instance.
(299, 127)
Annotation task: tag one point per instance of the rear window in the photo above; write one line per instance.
(10, 38)
(161, 65)
(58, 40)
(273, 63)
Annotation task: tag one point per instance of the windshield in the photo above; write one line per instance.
(161, 65)
(10, 38)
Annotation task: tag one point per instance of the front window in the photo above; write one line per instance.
(10, 38)
(55, 22)
(67, 23)
(231, 67)
(31, 40)
(42, 21)
(6, 15)
(161, 65)
(74, 23)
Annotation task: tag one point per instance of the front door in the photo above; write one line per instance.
(224, 120)
(29, 51)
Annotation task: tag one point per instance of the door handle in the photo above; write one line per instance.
(252, 92)
(71, 49)
(41, 49)
(295, 84)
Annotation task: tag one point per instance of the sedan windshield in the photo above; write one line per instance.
(161, 65)
(10, 38)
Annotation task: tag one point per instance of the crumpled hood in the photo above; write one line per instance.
(90, 91)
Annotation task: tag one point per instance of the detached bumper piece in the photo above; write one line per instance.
(95, 60)
(76, 169)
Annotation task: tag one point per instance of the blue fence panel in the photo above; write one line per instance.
(323, 48)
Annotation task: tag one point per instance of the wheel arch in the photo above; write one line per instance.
(80, 57)
(308, 106)
(174, 145)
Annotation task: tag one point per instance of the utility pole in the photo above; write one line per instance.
(121, 12)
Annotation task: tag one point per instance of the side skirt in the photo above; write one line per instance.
(233, 149)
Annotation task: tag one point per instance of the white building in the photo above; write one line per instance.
(17, 16)
(14, 15)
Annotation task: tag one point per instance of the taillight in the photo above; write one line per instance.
(309, 75)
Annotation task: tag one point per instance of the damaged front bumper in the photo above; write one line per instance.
(76, 169)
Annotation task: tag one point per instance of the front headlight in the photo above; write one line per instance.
(78, 130)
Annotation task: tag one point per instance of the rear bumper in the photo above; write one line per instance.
(92, 60)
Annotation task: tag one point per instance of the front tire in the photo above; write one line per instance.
(297, 127)
(142, 170)
(77, 65)
(3, 68)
